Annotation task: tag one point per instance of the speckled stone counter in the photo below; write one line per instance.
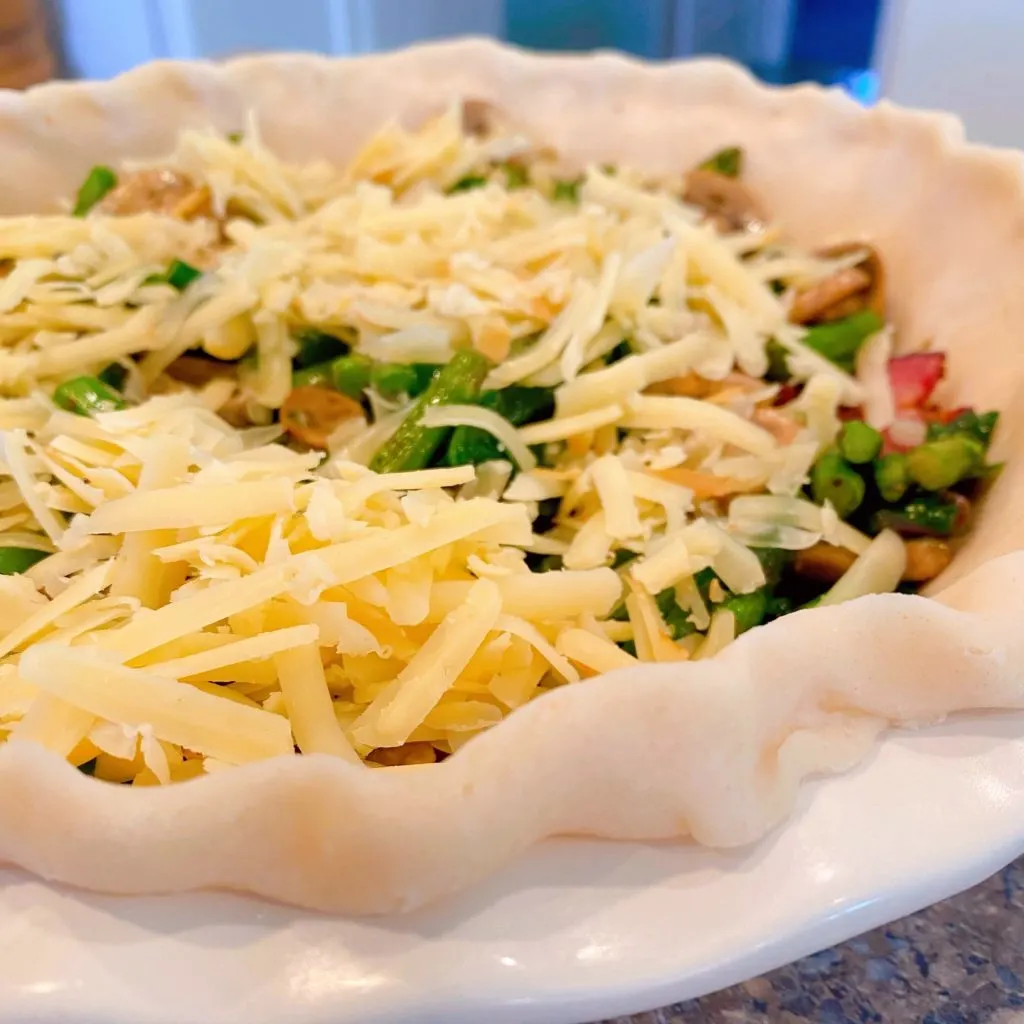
(958, 962)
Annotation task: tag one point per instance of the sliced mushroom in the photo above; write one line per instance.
(926, 558)
(727, 202)
(158, 191)
(478, 117)
(847, 291)
(823, 562)
(312, 414)
(408, 753)
(196, 371)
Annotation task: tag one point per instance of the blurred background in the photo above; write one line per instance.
(934, 53)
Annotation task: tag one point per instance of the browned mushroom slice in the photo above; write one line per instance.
(196, 371)
(478, 117)
(311, 414)
(926, 558)
(158, 191)
(845, 292)
(823, 562)
(409, 753)
(727, 202)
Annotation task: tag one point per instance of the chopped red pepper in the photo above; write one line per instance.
(914, 377)
(787, 393)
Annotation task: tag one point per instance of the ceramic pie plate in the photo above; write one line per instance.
(576, 929)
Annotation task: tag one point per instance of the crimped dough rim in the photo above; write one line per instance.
(713, 749)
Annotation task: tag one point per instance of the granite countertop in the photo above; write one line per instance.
(958, 962)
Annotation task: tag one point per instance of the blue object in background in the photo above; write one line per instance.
(781, 41)
(645, 28)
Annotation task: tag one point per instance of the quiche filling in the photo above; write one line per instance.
(357, 460)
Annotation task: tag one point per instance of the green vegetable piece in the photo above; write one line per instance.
(393, 379)
(470, 181)
(835, 481)
(623, 557)
(18, 560)
(620, 351)
(567, 191)
(774, 562)
(87, 396)
(840, 340)
(97, 184)
(929, 515)
(727, 162)
(859, 443)
(676, 620)
(628, 646)
(704, 579)
(938, 465)
(317, 347)
(778, 362)
(892, 477)
(390, 380)
(980, 427)
(236, 138)
(519, 405)
(114, 376)
(351, 375)
(412, 446)
(777, 607)
(319, 376)
(550, 563)
(516, 176)
(181, 274)
(425, 373)
(748, 609)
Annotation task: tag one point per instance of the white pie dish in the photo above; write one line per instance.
(946, 217)
(576, 930)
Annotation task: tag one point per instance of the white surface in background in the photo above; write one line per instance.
(575, 930)
(965, 57)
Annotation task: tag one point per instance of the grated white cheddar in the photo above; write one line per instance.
(230, 598)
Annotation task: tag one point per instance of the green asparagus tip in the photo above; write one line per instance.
(351, 375)
(835, 481)
(892, 476)
(859, 443)
(938, 465)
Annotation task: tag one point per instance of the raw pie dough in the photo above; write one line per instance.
(712, 749)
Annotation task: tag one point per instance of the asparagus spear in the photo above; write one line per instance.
(519, 405)
(892, 476)
(834, 480)
(938, 465)
(412, 446)
(859, 443)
